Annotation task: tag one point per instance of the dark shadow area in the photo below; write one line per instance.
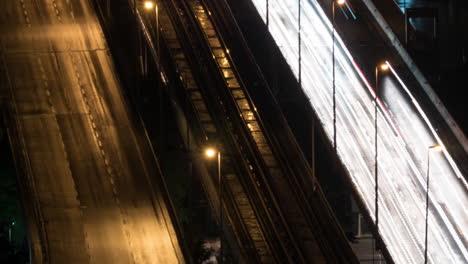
(13, 238)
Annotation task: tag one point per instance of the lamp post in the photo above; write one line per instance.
(383, 67)
(339, 2)
(149, 5)
(211, 153)
(436, 148)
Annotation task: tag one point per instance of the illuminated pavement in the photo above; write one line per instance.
(94, 189)
(403, 141)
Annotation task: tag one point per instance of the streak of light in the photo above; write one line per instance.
(428, 123)
(403, 131)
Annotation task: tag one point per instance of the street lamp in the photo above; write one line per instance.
(439, 148)
(382, 67)
(149, 5)
(211, 153)
(339, 2)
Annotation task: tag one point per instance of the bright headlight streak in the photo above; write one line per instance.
(451, 228)
(437, 162)
(364, 79)
(392, 201)
(421, 207)
(454, 210)
(320, 99)
(434, 201)
(410, 230)
(428, 123)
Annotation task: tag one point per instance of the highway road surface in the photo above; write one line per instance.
(404, 138)
(95, 192)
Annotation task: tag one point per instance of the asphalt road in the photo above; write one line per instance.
(404, 136)
(97, 197)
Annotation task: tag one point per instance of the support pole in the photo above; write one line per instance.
(220, 189)
(299, 42)
(158, 77)
(427, 205)
(376, 168)
(314, 180)
(333, 76)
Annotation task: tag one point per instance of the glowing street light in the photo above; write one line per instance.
(438, 148)
(210, 152)
(383, 67)
(149, 4)
(339, 2)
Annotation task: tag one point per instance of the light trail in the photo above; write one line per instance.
(405, 134)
